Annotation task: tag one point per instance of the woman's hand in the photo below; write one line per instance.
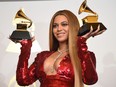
(92, 34)
(23, 40)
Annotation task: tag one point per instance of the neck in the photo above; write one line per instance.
(63, 46)
(62, 51)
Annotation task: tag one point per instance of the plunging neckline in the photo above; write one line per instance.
(66, 56)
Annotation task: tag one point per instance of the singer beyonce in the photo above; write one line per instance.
(68, 63)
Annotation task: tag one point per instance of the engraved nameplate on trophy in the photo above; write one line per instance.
(88, 21)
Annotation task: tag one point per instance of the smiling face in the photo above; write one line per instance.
(61, 28)
(64, 26)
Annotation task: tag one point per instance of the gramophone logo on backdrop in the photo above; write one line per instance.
(90, 20)
(22, 32)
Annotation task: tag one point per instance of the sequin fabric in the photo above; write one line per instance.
(26, 75)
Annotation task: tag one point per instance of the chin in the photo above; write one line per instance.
(62, 40)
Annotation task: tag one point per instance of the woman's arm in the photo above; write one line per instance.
(88, 62)
(24, 75)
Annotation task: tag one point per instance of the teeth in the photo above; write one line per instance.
(60, 34)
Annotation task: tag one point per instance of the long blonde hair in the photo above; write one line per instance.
(72, 40)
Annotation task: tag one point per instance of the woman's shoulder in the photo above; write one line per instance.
(43, 54)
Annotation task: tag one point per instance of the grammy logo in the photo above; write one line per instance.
(88, 21)
(22, 23)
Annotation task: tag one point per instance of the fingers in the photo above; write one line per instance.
(91, 29)
(98, 28)
(93, 33)
(96, 31)
(87, 35)
(33, 38)
(19, 41)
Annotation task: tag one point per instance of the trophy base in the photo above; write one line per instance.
(86, 28)
(19, 35)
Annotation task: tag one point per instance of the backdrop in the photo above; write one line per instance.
(40, 12)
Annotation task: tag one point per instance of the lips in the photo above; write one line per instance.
(60, 34)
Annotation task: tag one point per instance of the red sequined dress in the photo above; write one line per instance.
(65, 75)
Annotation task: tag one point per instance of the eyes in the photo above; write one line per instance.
(63, 24)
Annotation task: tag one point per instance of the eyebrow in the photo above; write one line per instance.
(61, 22)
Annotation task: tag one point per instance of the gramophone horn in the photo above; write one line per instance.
(85, 8)
(20, 14)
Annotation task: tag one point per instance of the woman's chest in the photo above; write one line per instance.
(62, 68)
(65, 68)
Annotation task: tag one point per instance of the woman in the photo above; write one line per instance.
(67, 64)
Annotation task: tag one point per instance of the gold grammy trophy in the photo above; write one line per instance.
(22, 23)
(88, 21)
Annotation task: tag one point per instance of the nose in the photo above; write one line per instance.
(59, 28)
